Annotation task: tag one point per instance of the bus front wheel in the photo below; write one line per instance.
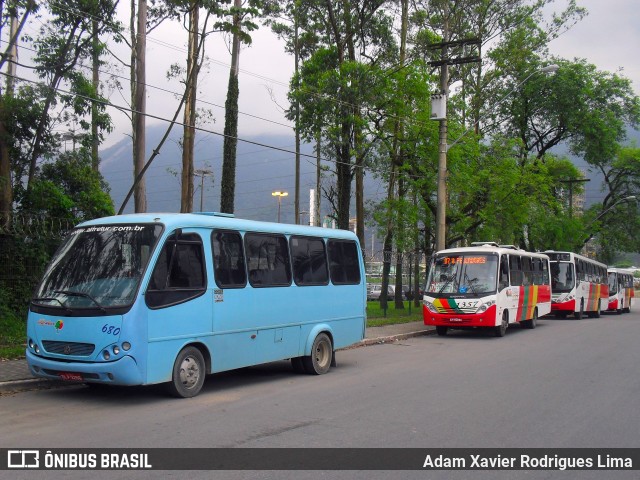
(188, 373)
(579, 313)
(501, 330)
(321, 356)
(441, 330)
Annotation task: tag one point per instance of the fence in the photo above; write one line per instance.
(26, 245)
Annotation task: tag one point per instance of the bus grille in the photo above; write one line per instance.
(69, 348)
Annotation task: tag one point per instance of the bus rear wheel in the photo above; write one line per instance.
(321, 356)
(188, 373)
(533, 322)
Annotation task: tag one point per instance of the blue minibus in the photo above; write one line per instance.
(151, 298)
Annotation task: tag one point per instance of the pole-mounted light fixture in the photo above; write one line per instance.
(279, 194)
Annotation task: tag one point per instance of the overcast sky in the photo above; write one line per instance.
(608, 37)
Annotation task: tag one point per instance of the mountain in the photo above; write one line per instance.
(265, 164)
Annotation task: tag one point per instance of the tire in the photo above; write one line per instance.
(319, 362)
(188, 373)
(561, 315)
(297, 364)
(441, 330)
(580, 313)
(533, 322)
(501, 330)
(596, 314)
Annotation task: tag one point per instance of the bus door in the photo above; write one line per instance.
(234, 324)
(513, 293)
(179, 309)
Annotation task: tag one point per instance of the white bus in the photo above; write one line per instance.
(621, 290)
(486, 286)
(579, 285)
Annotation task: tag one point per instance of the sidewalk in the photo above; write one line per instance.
(15, 375)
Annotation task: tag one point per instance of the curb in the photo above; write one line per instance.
(15, 386)
(395, 338)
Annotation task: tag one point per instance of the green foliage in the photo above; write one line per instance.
(67, 188)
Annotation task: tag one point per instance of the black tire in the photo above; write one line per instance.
(188, 373)
(596, 314)
(298, 365)
(533, 322)
(319, 362)
(501, 330)
(441, 330)
(580, 313)
(562, 315)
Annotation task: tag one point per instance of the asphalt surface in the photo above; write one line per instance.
(15, 374)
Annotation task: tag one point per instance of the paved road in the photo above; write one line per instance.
(567, 383)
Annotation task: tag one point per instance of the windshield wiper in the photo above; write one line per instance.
(72, 293)
(446, 284)
(471, 283)
(52, 299)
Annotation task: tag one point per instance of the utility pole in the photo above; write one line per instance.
(202, 172)
(443, 63)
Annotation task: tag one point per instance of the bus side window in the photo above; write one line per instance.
(228, 259)
(515, 270)
(504, 273)
(309, 261)
(267, 260)
(179, 274)
(344, 267)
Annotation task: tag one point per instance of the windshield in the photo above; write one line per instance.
(471, 274)
(562, 278)
(98, 267)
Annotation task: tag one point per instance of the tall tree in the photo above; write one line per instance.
(139, 99)
(18, 13)
(242, 23)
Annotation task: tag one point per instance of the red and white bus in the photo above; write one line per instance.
(579, 285)
(620, 290)
(486, 286)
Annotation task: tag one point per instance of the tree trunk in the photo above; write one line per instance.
(228, 180)
(186, 197)
(140, 108)
(95, 142)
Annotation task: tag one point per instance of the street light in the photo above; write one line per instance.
(625, 199)
(442, 160)
(279, 194)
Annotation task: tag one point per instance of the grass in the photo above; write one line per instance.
(377, 317)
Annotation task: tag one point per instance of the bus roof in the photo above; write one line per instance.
(216, 220)
(488, 248)
(571, 256)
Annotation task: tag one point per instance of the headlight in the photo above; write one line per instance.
(106, 355)
(430, 306)
(116, 350)
(126, 346)
(485, 306)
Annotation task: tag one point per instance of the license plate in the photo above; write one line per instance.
(70, 376)
(455, 319)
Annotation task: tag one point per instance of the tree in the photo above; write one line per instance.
(242, 23)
